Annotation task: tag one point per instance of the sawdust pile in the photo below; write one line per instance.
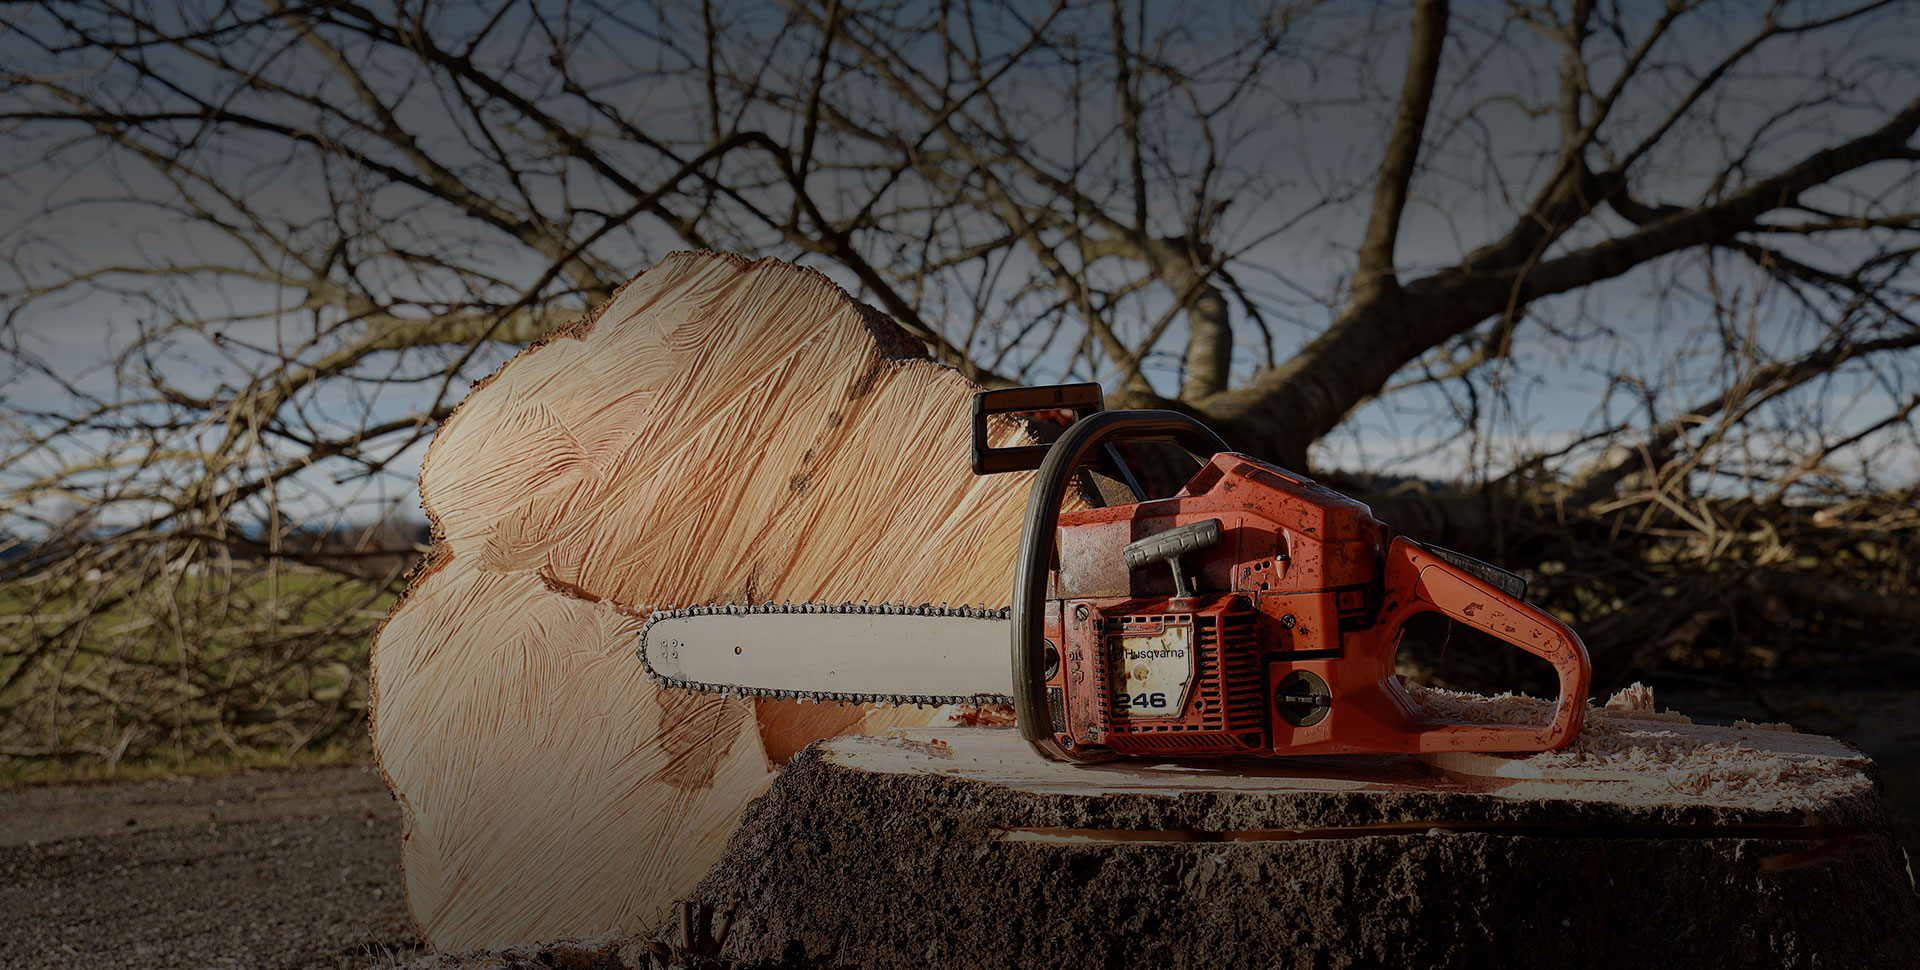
(1628, 739)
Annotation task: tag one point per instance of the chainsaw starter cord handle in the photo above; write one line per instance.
(1081, 442)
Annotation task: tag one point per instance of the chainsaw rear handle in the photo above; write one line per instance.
(1082, 441)
(1423, 580)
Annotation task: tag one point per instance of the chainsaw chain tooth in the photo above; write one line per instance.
(819, 697)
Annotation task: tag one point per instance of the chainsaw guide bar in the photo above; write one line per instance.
(860, 653)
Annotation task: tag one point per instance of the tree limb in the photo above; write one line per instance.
(1429, 34)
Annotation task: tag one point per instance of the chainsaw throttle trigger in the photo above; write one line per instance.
(1169, 546)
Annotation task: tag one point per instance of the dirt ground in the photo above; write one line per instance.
(293, 869)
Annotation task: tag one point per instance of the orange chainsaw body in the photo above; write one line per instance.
(1284, 643)
(1253, 613)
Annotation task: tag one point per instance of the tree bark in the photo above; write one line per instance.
(1652, 842)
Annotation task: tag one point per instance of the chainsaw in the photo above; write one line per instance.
(1253, 613)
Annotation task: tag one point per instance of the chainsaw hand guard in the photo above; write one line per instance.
(1037, 553)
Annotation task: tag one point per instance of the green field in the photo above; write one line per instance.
(183, 672)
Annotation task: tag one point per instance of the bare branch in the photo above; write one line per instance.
(1428, 36)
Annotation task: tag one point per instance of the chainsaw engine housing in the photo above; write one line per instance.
(1254, 612)
(1147, 671)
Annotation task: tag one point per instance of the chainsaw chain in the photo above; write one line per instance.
(892, 609)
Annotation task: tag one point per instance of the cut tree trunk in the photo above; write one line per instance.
(721, 430)
(1650, 843)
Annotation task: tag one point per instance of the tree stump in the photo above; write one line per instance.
(722, 430)
(1650, 843)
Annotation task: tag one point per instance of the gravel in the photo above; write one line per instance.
(289, 869)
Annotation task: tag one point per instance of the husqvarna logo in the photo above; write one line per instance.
(1151, 671)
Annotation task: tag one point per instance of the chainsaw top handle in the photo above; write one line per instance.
(1083, 441)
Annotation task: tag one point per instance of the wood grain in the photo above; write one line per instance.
(721, 430)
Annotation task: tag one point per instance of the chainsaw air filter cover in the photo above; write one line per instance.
(1176, 682)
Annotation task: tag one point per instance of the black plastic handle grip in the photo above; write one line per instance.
(1171, 544)
(1080, 442)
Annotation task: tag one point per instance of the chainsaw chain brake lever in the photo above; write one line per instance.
(1082, 400)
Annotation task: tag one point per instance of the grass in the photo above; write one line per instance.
(163, 674)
